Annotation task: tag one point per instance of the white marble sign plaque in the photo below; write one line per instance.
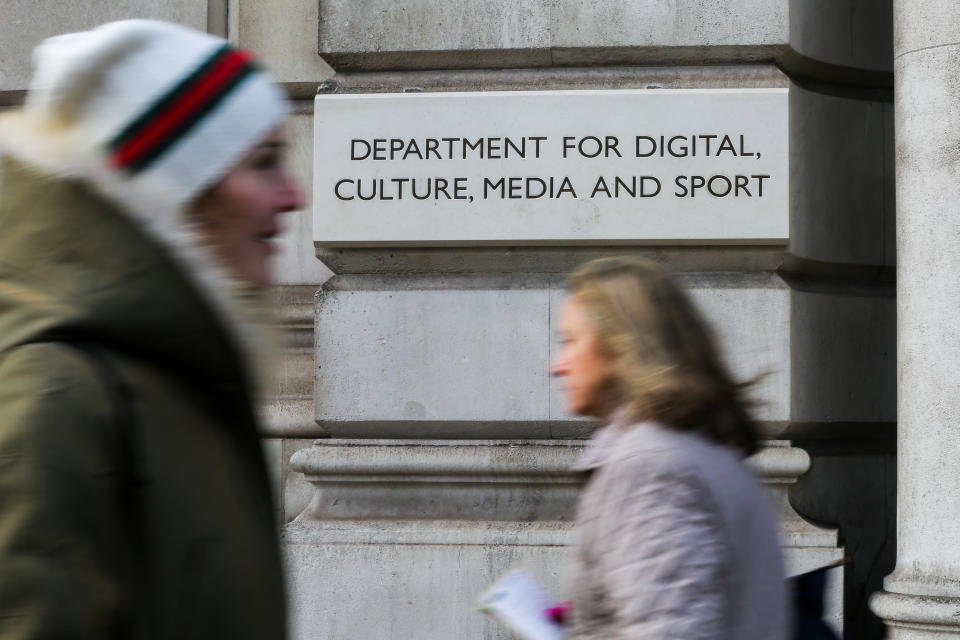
(551, 167)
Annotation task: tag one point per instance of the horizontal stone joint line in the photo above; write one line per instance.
(934, 46)
(450, 543)
(430, 479)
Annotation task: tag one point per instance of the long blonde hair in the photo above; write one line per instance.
(666, 367)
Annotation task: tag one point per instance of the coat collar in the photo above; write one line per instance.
(74, 264)
(603, 442)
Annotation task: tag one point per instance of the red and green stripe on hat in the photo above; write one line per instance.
(170, 118)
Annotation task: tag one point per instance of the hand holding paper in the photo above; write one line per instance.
(519, 602)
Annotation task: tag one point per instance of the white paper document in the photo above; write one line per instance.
(519, 602)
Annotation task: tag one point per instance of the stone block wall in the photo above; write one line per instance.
(424, 346)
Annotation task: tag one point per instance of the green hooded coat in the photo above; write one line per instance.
(154, 525)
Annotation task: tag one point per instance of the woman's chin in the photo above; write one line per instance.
(582, 410)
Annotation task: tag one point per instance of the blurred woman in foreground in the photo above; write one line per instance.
(143, 183)
(676, 537)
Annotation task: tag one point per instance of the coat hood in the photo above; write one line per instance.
(73, 265)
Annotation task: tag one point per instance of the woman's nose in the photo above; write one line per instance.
(557, 367)
(293, 197)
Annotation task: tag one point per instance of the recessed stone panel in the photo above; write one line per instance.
(421, 33)
(823, 36)
(284, 34)
(849, 34)
(683, 23)
(841, 177)
(473, 362)
(426, 25)
(391, 31)
(423, 589)
(844, 355)
(25, 23)
(751, 320)
(422, 356)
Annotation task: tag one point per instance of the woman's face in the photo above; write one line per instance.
(240, 215)
(586, 369)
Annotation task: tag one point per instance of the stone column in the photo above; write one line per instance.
(922, 596)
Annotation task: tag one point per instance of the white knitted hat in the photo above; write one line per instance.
(150, 113)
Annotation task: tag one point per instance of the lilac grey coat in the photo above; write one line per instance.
(676, 542)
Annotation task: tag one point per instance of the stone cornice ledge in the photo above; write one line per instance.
(492, 492)
(492, 461)
(417, 461)
(503, 480)
(779, 462)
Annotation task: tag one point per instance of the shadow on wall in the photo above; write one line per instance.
(855, 492)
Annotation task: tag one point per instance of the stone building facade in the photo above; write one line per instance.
(419, 446)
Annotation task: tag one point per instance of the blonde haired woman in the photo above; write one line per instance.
(676, 539)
